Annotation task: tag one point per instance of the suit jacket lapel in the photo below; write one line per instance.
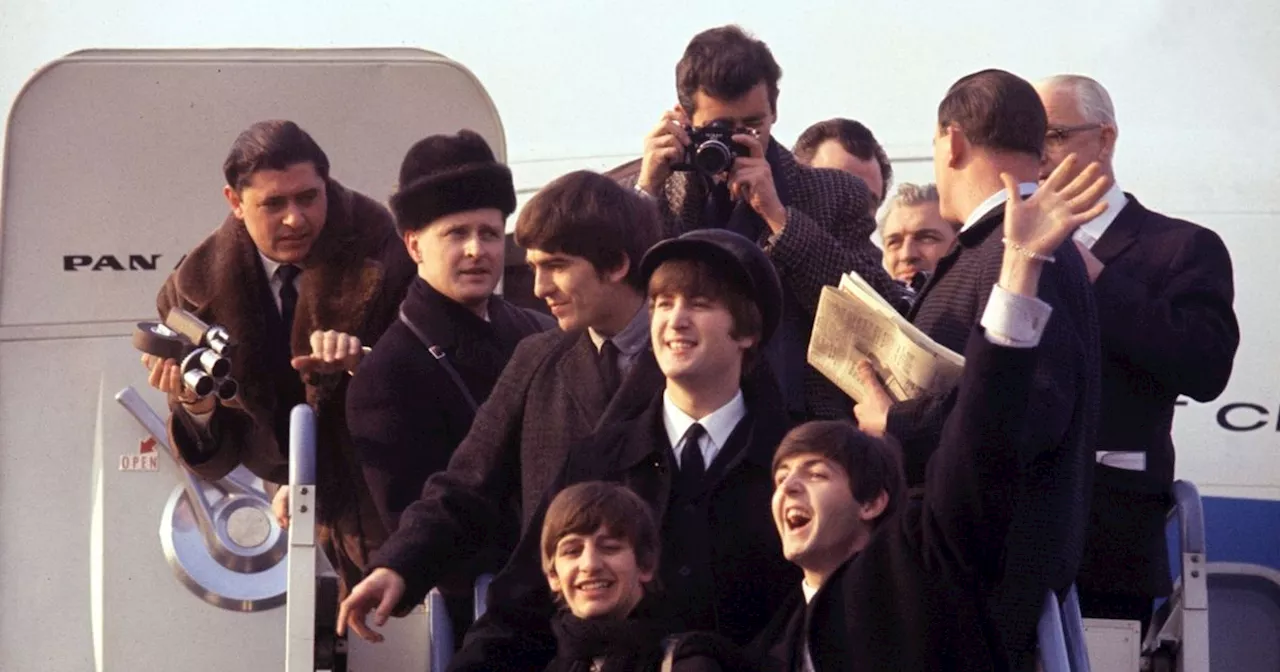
(636, 391)
(582, 378)
(1122, 233)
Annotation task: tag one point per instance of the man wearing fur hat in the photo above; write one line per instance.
(416, 393)
(302, 272)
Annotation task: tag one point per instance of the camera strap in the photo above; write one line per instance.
(438, 353)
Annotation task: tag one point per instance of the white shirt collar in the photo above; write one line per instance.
(809, 591)
(1089, 234)
(269, 265)
(985, 208)
(719, 425)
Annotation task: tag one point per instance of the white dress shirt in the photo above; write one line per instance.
(985, 208)
(1089, 234)
(276, 282)
(718, 425)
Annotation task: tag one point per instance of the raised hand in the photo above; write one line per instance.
(1036, 226)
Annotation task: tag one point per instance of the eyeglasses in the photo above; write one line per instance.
(1059, 134)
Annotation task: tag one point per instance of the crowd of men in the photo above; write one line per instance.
(755, 509)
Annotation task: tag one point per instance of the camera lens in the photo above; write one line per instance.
(713, 157)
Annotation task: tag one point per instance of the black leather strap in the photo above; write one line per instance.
(437, 352)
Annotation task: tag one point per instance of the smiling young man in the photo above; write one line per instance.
(585, 236)
(892, 586)
(413, 399)
(813, 223)
(600, 550)
(699, 455)
(301, 272)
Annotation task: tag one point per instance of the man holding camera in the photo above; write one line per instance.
(711, 163)
(301, 273)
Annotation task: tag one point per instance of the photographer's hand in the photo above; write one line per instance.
(751, 179)
(663, 147)
(166, 376)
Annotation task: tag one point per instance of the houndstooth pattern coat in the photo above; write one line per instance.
(828, 233)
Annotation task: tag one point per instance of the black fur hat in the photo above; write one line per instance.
(444, 174)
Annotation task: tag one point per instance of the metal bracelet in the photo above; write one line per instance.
(1028, 253)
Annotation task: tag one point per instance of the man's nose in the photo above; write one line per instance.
(910, 250)
(542, 285)
(590, 558)
(293, 216)
(472, 247)
(679, 315)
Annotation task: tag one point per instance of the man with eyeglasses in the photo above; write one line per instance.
(1163, 290)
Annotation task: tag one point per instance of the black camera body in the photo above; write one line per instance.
(711, 149)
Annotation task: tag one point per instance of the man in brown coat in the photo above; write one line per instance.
(301, 273)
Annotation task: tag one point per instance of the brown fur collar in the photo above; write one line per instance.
(356, 261)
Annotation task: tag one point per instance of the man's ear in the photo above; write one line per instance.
(619, 273)
(869, 511)
(955, 145)
(233, 200)
(648, 569)
(554, 581)
(411, 244)
(1108, 135)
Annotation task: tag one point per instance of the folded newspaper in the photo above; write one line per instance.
(855, 323)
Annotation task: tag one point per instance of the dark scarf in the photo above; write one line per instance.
(626, 645)
(787, 351)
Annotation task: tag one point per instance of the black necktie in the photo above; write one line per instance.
(609, 371)
(692, 466)
(288, 296)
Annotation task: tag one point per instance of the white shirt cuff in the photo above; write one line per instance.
(1013, 320)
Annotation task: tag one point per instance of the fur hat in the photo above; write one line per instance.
(734, 255)
(444, 174)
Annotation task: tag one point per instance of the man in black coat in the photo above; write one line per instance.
(813, 223)
(991, 123)
(413, 399)
(1164, 293)
(585, 236)
(892, 585)
(698, 455)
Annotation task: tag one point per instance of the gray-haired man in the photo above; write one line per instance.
(914, 233)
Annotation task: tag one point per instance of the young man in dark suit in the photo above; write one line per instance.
(1164, 293)
(585, 236)
(698, 455)
(992, 122)
(813, 223)
(301, 273)
(413, 399)
(892, 586)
